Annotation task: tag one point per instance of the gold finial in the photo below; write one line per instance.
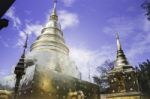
(25, 44)
(117, 35)
(121, 58)
(55, 1)
(54, 12)
(54, 7)
(118, 42)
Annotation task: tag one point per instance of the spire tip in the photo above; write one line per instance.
(118, 42)
(55, 1)
(26, 41)
(54, 12)
(117, 35)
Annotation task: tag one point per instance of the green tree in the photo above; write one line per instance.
(102, 79)
(107, 66)
(146, 6)
(144, 76)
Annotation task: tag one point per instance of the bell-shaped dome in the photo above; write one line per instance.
(53, 24)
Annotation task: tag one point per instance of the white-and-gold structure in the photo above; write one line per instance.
(123, 78)
(49, 72)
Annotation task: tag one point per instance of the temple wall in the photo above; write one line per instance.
(52, 85)
(130, 95)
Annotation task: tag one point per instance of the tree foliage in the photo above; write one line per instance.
(102, 80)
(143, 71)
(107, 66)
(144, 76)
(146, 6)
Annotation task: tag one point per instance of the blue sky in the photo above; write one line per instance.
(89, 28)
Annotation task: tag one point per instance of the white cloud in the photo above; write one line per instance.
(136, 29)
(146, 25)
(68, 19)
(30, 29)
(85, 59)
(34, 29)
(141, 47)
(3, 72)
(16, 20)
(68, 2)
(142, 40)
(123, 25)
(3, 42)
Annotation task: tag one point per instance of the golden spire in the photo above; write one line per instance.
(121, 60)
(51, 37)
(20, 69)
(54, 11)
(118, 42)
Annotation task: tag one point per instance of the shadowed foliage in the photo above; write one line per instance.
(146, 6)
(102, 80)
(144, 76)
